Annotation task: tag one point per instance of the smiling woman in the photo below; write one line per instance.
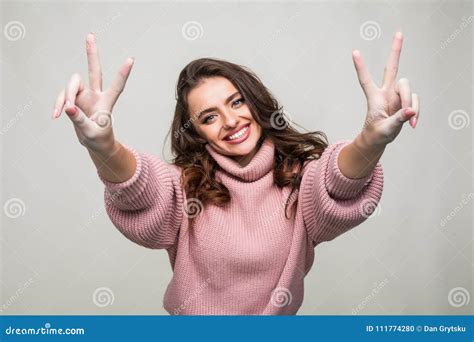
(228, 127)
(232, 112)
(220, 209)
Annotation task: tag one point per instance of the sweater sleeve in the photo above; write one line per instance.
(148, 207)
(333, 203)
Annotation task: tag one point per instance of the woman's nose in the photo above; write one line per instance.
(230, 120)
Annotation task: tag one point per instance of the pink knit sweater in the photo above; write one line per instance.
(245, 258)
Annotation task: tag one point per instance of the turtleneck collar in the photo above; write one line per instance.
(259, 166)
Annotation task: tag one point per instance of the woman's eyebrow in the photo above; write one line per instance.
(207, 110)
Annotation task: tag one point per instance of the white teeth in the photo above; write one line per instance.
(238, 134)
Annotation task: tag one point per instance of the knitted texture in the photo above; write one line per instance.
(245, 258)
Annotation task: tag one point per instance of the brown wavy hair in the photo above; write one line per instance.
(292, 148)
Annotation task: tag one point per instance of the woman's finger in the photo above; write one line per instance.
(391, 67)
(363, 74)
(416, 107)
(93, 62)
(403, 89)
(118, 84)
(401, 116)
(58, 106)
(82, 122)
(74, 86)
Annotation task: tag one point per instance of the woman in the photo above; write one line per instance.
(247, 197)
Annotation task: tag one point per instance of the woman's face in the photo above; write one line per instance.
(221, 116)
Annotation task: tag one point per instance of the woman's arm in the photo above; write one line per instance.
(147, 207)
(342, 188)
(358, 159)
(333, 203)
(116, 166)
(143, 195)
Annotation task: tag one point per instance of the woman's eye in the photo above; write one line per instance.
(241, 100)
(207, 118)
(236, 102)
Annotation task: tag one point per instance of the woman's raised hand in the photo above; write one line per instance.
(90, 107)
(388, 106)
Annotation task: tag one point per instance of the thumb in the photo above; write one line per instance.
(402, 116)
(80, 120)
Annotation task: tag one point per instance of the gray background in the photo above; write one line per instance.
(60, 254)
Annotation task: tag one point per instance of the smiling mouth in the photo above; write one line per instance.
(239, 134)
